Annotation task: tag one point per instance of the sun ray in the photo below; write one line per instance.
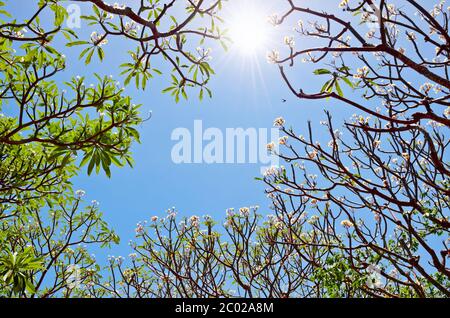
(248, 29)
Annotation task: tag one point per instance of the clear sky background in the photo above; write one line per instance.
(248, 93)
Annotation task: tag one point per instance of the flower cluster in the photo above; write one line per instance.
(273, 56)
(344, 3)
(204, 54)
(245, 212)
(347, 224)
(131, 27)
(273, 19)
(98, 39)
(80, 193)
(279, 122)
(273, 171)
(289, 41)
(195, 221)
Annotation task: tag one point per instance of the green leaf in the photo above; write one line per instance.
(89, 57)
(77, 43)
(338, 89)
(322, 71)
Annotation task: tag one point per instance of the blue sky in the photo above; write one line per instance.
(247, 92)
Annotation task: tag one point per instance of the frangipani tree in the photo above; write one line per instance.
(379, 190)
(49, 130)
(195, 258)
(365, 214)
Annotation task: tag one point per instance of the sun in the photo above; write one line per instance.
(248, 29)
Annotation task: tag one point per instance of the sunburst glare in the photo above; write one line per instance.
(248, 29)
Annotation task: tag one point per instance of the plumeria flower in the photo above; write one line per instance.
(139, 229)
(312, 154)
(343, 4)
(273, 56)
(361, 72)
(274, 19)
(289, 41)
(283, 140)
(80, 193)
(130, 27)
(447, 112)
(426, 87)
(244, 211)
(279, 122)
(204, 54)
(270, 146)
(195, 221)
(97, 39)
(230, 212)
(118, 6)
(411, 36)
(273, 171)
(347, 224)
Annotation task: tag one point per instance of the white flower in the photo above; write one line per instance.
(370, 34)
(139, 229)
(447, 112)
(273, 171)
(244, 211)
(283, 140)
(171, 213)
(374, 280)
(230, 212)
(343, 3)
(313, 219)
(118, 6)
(289, 41)
(119, 260)
(273, 56)
(130, 27)
(279, 122)
(377, 217)
(411, 36)
(195, 220)
(361, 72)
(98, 39)
(273, 19)
(19, 34)
(426, 87)
(347, 224)
(80, 193)
(313, 154)
(391, 9)
(204, 54)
